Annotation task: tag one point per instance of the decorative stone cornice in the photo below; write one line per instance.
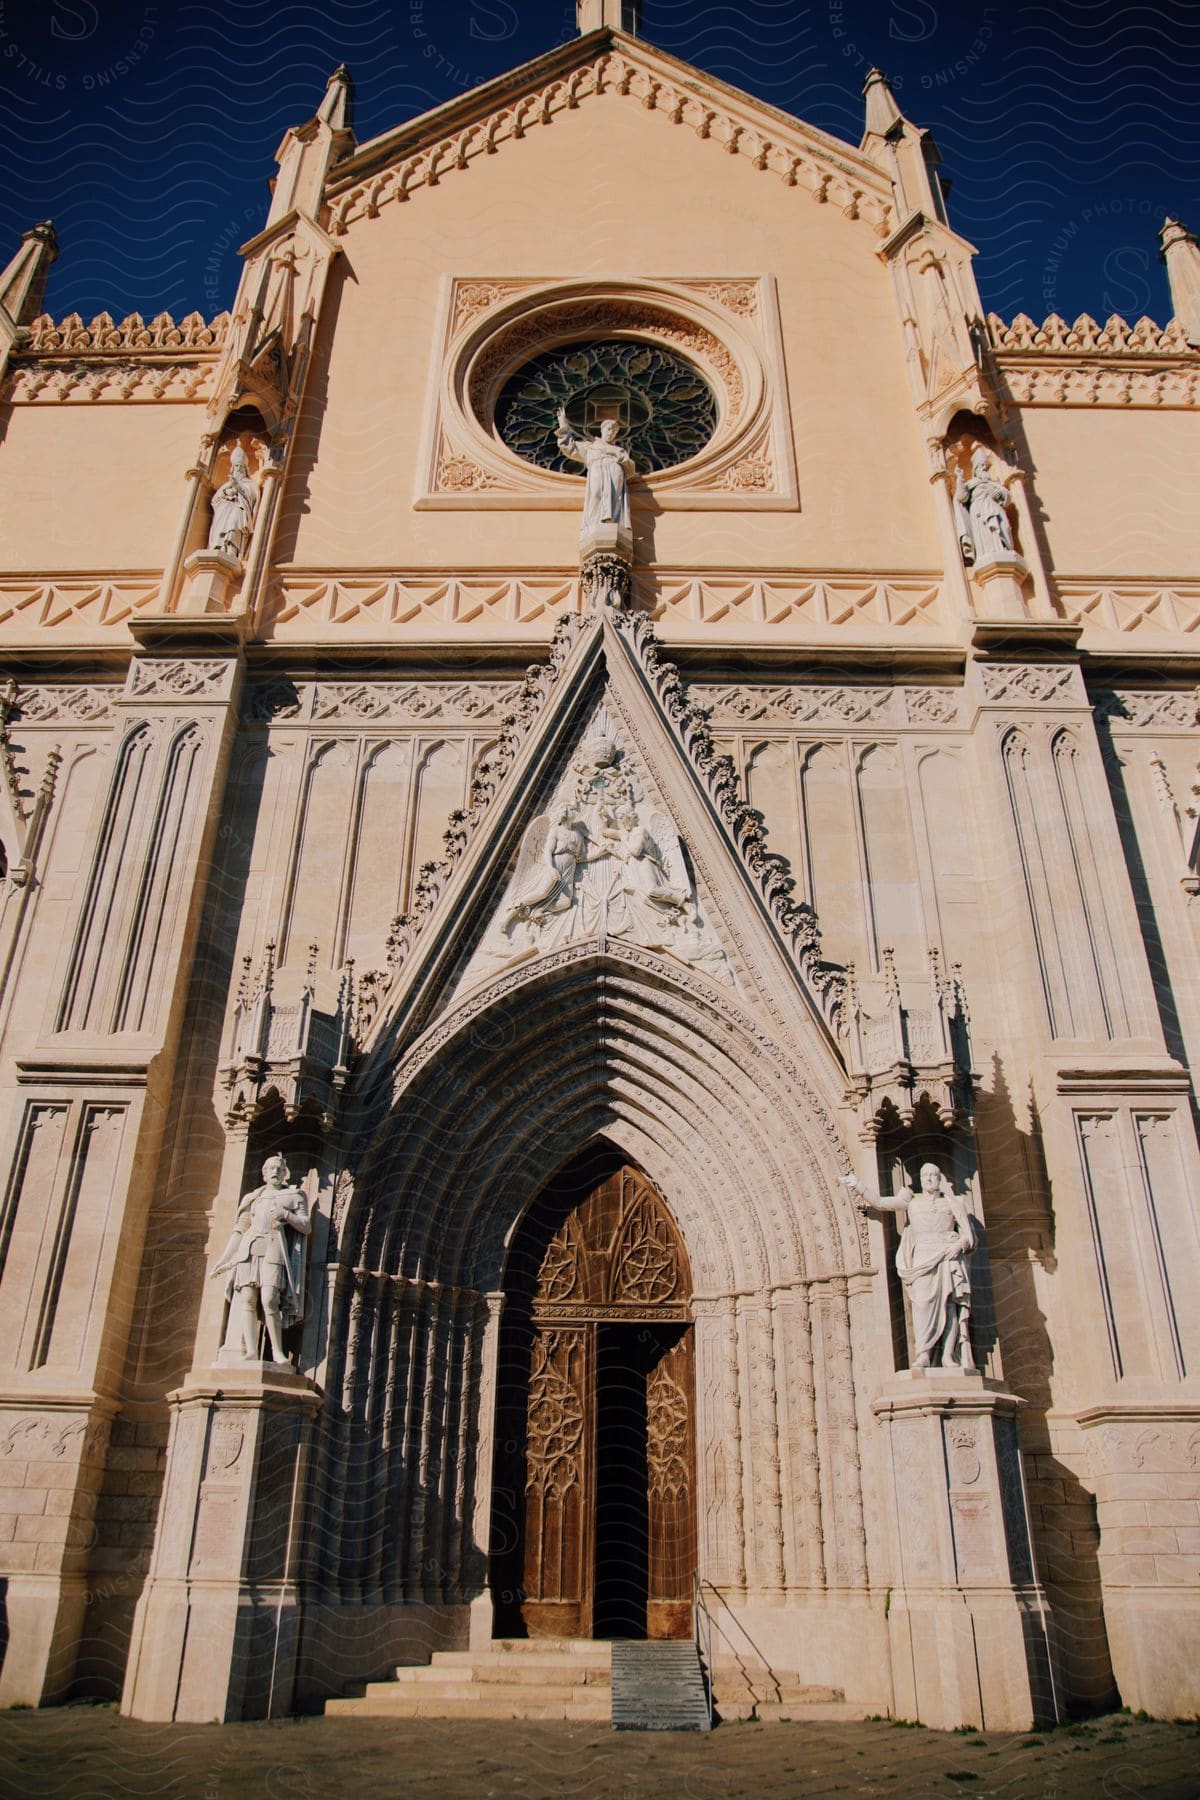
(1056, 337)
(423, 155)
(133, 336)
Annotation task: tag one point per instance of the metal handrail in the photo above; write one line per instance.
(714, 1625)
(703, 1649)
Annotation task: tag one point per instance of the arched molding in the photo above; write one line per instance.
(674, 1072)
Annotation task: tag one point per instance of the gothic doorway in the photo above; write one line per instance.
(594, 1530)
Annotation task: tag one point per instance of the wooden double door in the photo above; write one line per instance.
(594, 1508)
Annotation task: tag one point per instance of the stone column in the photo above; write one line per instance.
(967, 1618)
(216, 1628)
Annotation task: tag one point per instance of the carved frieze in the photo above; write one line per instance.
(745, 704)
(385, 702)
(183, 678)
(1092, 385)
(72, 703)
(1155, 709)
(1032, 684)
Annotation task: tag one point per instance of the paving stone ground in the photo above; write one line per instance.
(85, 1751)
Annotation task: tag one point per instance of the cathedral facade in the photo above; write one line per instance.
(598, 964)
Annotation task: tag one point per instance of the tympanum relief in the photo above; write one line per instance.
(602, 860)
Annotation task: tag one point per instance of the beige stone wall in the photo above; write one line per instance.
(1114, 488)
(94, 487)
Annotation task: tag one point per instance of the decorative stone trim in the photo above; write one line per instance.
(1099, 384)
(66, 603)
(1155, 709)
(1086, 336)
(384, 702)
(1031, 684)
(104, 337)
(787, 600)
(769, 871)
(803, 704)
(74, 704)
(190, 678)
(791, 155)
(108, 362)
(1141, 606)
(314, 604)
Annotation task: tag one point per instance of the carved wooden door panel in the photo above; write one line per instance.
(608, 1527)
(559, 1436)
(670, 1490)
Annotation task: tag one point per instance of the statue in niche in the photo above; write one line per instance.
(936, 1240)
(981, 503)
(609, 466)
(264, 1262)
(233, 509)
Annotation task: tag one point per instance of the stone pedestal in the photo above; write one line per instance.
(967, 1619)
(208, 582)
(1000, 584)
(216, 1628)
(606, 569)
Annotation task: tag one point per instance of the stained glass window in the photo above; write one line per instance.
(664, 407)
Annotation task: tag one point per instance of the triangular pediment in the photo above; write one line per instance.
(609, 65)
(606, 818)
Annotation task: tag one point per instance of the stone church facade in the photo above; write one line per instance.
(581, 908)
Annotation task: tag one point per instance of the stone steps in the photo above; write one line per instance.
(571, 1679)
(538, 1678)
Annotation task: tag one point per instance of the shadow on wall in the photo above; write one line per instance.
(1066, 1533)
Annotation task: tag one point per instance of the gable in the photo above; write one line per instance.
(608, 189)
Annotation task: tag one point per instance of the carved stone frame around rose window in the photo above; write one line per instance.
(727, 326)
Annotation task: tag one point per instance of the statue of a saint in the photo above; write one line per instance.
(264, 1260)
(609, 465)
(984, 526)
(931, 1261)
(233, 508)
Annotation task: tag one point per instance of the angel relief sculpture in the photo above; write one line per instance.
(602, 862)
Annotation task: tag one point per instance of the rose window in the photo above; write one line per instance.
(664, 408)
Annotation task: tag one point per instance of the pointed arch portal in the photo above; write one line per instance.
(594, 1509)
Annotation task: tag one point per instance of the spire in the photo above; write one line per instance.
(309, 151)
(23, 283)
(337, 108)
(904, 151)
(1181, 253)
(616, 15)
(882, 109)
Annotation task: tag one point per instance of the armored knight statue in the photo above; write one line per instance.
(264, 1261)
(981, 503)
(936, 1240)
(609, 466)
(233, 509)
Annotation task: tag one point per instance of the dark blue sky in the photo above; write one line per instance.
(147, 132)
